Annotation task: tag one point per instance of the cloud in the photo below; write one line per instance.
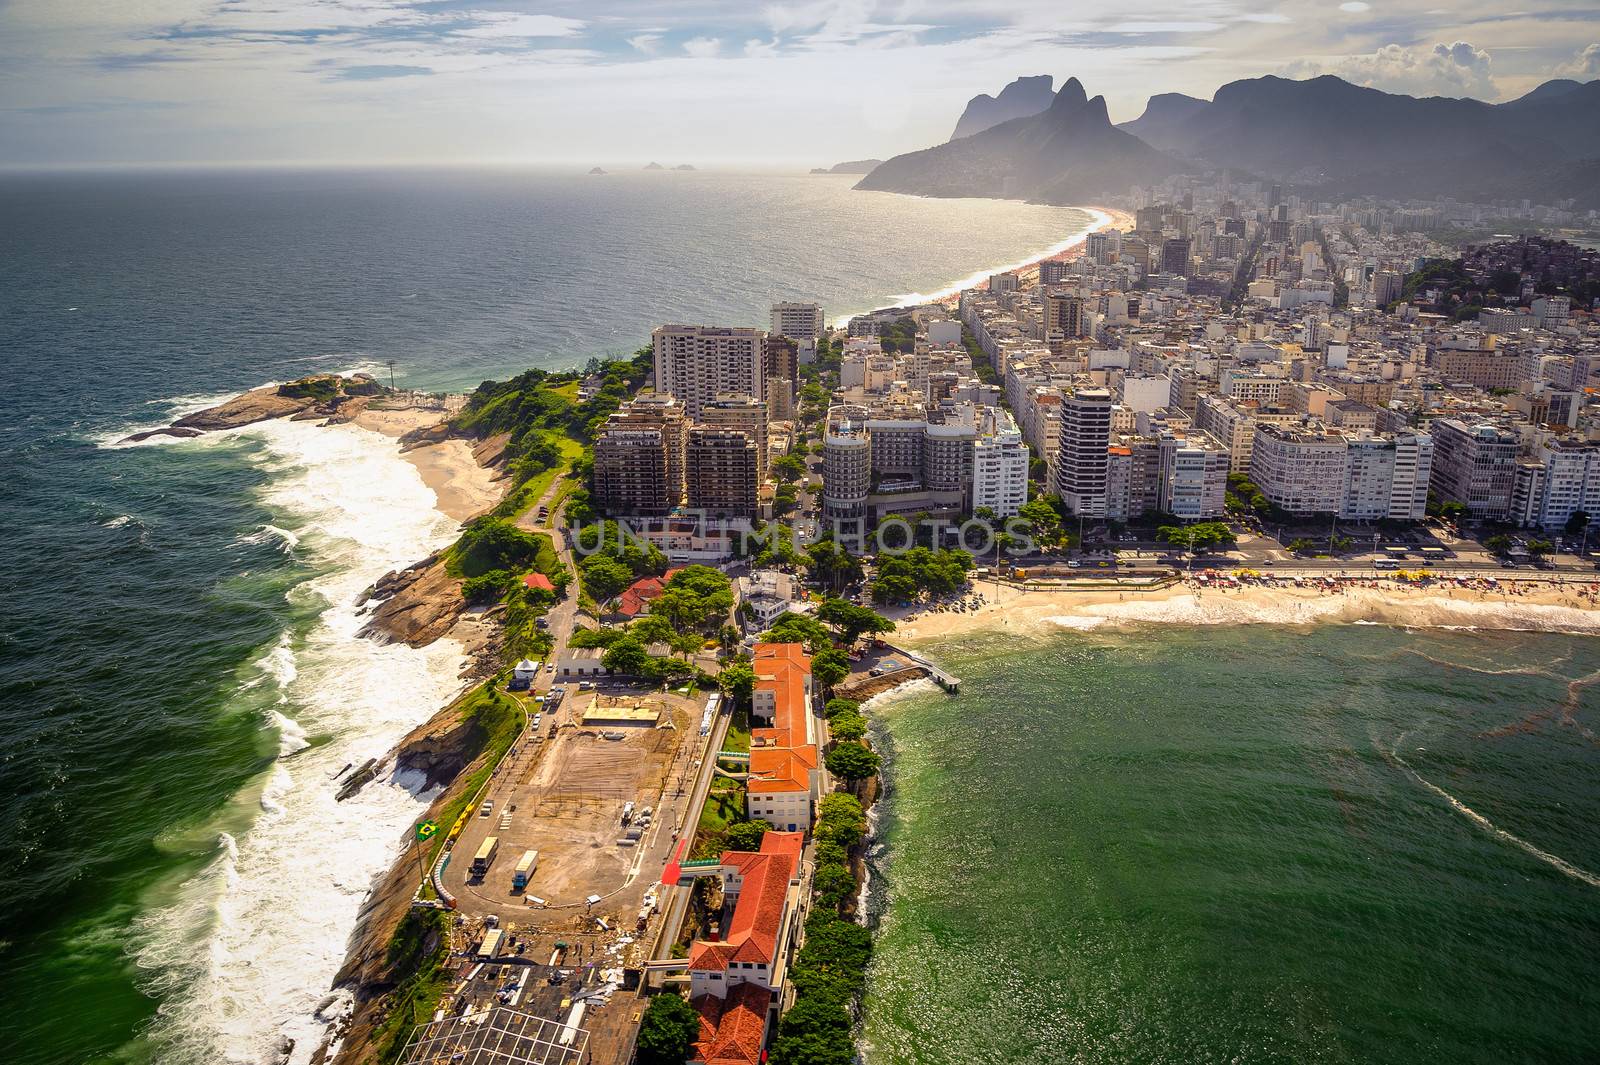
(1355, 7)
(377, 72)
(1586, 65)
(493, 25)
(645, 42)
(1458, 69)
(702, 47)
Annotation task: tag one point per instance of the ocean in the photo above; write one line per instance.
(1150, 843)
(179, 676)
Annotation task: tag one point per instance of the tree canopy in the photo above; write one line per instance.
(667, 1031)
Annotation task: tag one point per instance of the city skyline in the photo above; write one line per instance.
(459, 81)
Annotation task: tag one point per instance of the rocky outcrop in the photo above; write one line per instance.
(327, 396)
(443, 749)
(854, 166)
(419, 604)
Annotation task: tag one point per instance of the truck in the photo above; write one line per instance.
(525, 868)
(490, 945)
(485, 855)
(627, 812)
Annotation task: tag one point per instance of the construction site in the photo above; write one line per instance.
(555, 877)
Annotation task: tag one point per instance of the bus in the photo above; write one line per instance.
(485, 855)
(525, 868)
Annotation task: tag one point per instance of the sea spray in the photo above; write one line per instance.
(245, 952)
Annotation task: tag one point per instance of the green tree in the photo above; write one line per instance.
(745, 835)
(1044, 523)
(737, 680)
(852, 762)
(1577, 521)
(852, 621)
(604, 577)
(798, 628)
(1499, 543)
(667, 1031)
(626, 656)
(836, 706)
(831, 566)
(789, 468)
(1540, 548)
(829, 667)
(847, 727)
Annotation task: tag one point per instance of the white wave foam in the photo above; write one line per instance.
(287, 541)
(246, 952)
(118, 522)
(1552, 860)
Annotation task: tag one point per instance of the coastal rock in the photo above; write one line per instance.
(420, 604)
(309, 398)
(171, 430)
(256, 405)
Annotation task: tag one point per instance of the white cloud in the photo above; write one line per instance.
(702, 47)
(508, 24)
(645, 42)
(1458, 69)
(1355, 7)
(756, 48)
(1585, 65)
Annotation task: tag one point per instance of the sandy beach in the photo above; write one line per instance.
(1542, 605)
(463, 488)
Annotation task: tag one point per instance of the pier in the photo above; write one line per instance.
(944, 679)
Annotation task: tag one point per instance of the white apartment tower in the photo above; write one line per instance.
(1000, 467)
(697, 363)
(798, 321)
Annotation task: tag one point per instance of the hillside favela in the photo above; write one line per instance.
(837, 533)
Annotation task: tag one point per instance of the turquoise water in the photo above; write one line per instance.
(179, 681)
(1238, 844)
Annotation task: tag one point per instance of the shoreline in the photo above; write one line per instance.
(463, 488)
(1552, 605)
(1101, 219)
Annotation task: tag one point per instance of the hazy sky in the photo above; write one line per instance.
(705, 81)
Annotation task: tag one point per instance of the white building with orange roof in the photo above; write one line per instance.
(736, 984)
(784, 777)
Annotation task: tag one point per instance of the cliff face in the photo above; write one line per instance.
(1023, 97)
(419, 604)
(1070, 153)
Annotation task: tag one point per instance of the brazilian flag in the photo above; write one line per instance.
(426, 829)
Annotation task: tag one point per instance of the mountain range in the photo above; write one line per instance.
(1320, 134)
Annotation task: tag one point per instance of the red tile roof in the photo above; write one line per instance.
(635, 599)
(539, 582)
(758, 915)
(732, 1029)
(781, 759)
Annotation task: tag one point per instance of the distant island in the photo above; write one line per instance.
(654, 166)
(683, 166)
(596, 170)
(855, 166)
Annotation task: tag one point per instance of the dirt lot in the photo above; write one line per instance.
(563, 796)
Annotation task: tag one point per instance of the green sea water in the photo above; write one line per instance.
(1242, 844)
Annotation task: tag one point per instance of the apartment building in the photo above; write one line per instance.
(1193, 476)
(639, 456)
(999, 466)
(697, 363)
(722, 471)
(798, 321)
(1474, 465)
(744, 414)
(1360, 476)
(1085, 436)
